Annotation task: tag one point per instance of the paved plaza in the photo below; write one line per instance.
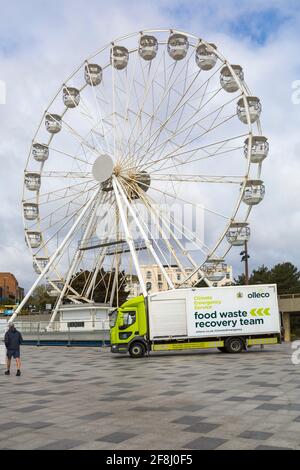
(87, 398)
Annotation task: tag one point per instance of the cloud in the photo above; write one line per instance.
(41, 43)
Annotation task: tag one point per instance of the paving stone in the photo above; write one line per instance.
(263, 397)
(237, 399)
(191, 407)
(262, 447)
(39, 425)
(270, 406)
(65, 444)
(95, 416)
(202, 428)
(188, 420)
(259, 435)
(205, 443)
(30, 409)
(116, 437)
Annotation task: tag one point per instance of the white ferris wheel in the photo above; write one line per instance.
(154, 120)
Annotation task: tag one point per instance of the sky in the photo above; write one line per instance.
(42, 42)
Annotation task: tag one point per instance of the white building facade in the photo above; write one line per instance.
(155, 281)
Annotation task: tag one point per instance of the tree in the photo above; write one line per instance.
(287, 278)
(285, 275)
(258, 276)
(40, 298)
(104, 283)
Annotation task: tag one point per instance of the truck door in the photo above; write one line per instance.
(128, 327)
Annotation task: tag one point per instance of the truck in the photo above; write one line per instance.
(230, 319)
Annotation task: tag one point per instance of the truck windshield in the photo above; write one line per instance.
(113, 318)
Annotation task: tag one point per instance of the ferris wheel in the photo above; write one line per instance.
(152, 132)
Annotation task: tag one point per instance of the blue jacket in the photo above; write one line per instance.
(13, 339)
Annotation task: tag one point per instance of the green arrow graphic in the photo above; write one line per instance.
(260, 312)
(253, 312)
(267, 312)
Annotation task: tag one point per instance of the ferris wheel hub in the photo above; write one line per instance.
(103, 168)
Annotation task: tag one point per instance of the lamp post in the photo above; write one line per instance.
(245, 258)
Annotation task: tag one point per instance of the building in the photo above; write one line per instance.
(156, 282)
(10, 291)
(289, 306)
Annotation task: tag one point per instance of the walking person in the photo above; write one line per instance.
(13, 340)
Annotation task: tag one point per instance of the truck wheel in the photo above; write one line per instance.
(234, 345)
(137, 350)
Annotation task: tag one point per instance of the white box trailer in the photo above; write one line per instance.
(214, 312)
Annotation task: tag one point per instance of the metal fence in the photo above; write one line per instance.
(65, 333)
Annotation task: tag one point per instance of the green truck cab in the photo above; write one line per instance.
(128, 328)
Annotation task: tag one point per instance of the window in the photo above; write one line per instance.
(178, 277)
(159, 277)
(160, 286)
(148, 286)
(113, 318)
(129, 318)
(149, 275)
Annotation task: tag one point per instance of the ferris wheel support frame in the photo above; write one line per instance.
(129, 238)
(143, 233)
(77, 257)
(54, 256)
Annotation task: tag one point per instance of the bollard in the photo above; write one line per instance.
(69, 337)
(38, 332)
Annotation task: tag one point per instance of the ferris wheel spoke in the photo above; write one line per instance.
(61, 152)
(183, 130)
(205, 149)
(174, 196)
(68, 195)
(128, 111)
(66, 174)
(138, 122)
(56, 193)
(129, 90)
(67, 205)
(81, 139)
(174, 155)
(199, 178)
(178, 108)
(191, 126)
(99, 113)
(167, 87)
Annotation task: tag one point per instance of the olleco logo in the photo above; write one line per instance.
(258, 295)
